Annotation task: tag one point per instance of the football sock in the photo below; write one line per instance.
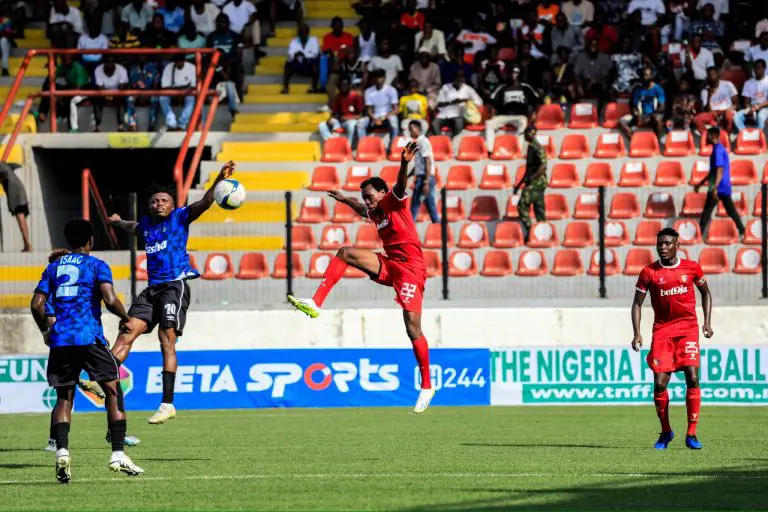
(693, 404)
(61, 435)
(662, 409)
(117, 431)
(421, 351)
(169, 379)
(333, 273)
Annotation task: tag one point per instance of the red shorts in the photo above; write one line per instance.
(672, 354)
(407, 281)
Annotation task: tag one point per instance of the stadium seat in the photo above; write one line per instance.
(556, 206)
(460, 177)
(485, 114)
(280, 270)
(333, 238)
(644, 145)
(646, 231)
(611, 263)
(699, 171)
(543, 235)
(637, 259)
(302, 238)
(613, 113)
(472, 148)
(586, 207)
(473, 235)
(660, 205)
(495, 177)
(599, 174)
(337, 149)
(722, 232)
(368, 237)
(564, 176)
(679, 143)
(616, 233)
(578, 234)
(141, 267)
(758, 209)
(313, 210)
(462, 264)
(218, 266)
(318, 263)
(434, 266)
(343, 214)
(484, 209)
(497, 264)
(396, 148)
(370, 149)
(610, 145)
(325, 178)
(433, 237)
(693, 204)
(634, 174)
(743, 172)
(705, 148)
(507, 54)
(506, 147)
(253, 265)
(669, 173)
(735, 75)
(441, 147)
(574, 147)
(519, 175)
(532, 264)
(739, 201)
(675, 52)
(355, 176)
(690, 233)
(713, 260)
(508, 235)
(550, 117)
(511, 212)
(747, 261)
(455, 208)
(624, 206)
(765, 174)
(548, 144)
(567, 263)
(750, 142)
(583, 116)
(389, 174)
(753, 233)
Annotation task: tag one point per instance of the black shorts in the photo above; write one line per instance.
(66, 363)
(164, 304)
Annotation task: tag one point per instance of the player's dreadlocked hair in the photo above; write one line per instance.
(668, 232)
(56, 254)
(154, 188)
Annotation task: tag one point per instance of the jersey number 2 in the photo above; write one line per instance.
(68, 288)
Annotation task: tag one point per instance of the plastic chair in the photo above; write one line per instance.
(747, 261)
(722, 232)
(624, 205)
(497, 264)
(758, 210)
(485, 114)
(253, 265)
(318, 262)
(302, 238)
(543, 235)
(432, 261)
(460, 177)
(507, 54)
(343, 214)
(586, 207)
(324, 178)
(583, 116)
(462, 264)
(495, 177)
(313, 210)
(743, 172)
(713, 260)
(548, 144)
(484, 208)
(634, 174)
(334, 237)
(611, 263)
(574, 147)
(669, 173)
(753, 233)
(550, 117)
(371, 149)
(690, 232)
(644, 145)
(765, 174)
(646, 232)
(706, 148)
(567, 263)
(473, 235)
(699, 171)
(433, 237)
(693, 204)
(336, 149)
(506, 147)
(610, 145)
(356, 175)
(508, 235)
(739, 201)
(598, 174)
(637, 260)
(613, 113)
(141, 267)
(556, 206)
(532, 264)
(389, 174)
(564, 176)
(679, 143)
(578, 235)
(616, 234)
(218, 266)
(734, 75)
(396, 148)
(281, 265)
(472, 148)
(368, 237)
(660, 205)
(441, 147)
(454, 207)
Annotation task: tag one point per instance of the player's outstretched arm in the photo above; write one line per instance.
(112, 302)
(706, 305)
(38, 313)
(409, 151)
(198, 208)
(352, 202)
(637, 308)
(128, 226)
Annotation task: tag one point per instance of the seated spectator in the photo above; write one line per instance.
(411, 19)
(613, 10)
(173, 16)
(762, 25)
(607, 36)
(633, 28)
(454, 64)
(627, 65)
(337, 41)
(93, 40)
(190, 38)
(366, 42)
(123, 38)
(303, 53)
(652, 12)
(400, 39)
(759, 51)
(580, 13)
(230, 69)
(381, 107)
(719, 7)
(109, 12)
(70, 74)
(475, 40)
(755, 96)
(680, 10)
(385, 61)
(109, 76)
(353, 69)
(492, 73)
(346, 110)
(647, 107)
(7, 35)
(427, 74)
(512, 103)
(138, 16)
(203, 14)
(697, 60)
(711, 30)
(179, 75)
(144, 75)
(560, 85)
(433, 40)
(546, 11)
(593, 71)
(156, 35)
(718, 100)
(502, 30)
(65, 24)
(684, 107)
(243, 21)
(565, 34)
(414, 107)
(451, 102)
(533, 33)
(532, 69)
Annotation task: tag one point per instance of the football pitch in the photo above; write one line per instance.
(472, 458)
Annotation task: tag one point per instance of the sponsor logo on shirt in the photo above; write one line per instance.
(157, 247)
(382, 224)
(677, 290)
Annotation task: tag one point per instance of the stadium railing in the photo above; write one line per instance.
(91, 191)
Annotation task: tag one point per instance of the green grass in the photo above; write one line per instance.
(503, 458)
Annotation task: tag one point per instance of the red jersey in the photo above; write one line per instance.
(673, 296)
(397, 230)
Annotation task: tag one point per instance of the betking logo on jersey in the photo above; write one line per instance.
(157, 247)
(677, 290)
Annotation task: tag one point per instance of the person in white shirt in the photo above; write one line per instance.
(381, 104)
(109, 76)
(390, 64)
(719, 99)
(433, 40)
(243, 21)
(650, 10)
(303, 54)
(580, 13)
(450, 104)
(697, 59)
(203, 15)
(755, 96)
(93, 40)
(179, 75)
(138, 15)
(720, 6)
(424, 171)
(475, 40)
(65, 24)
(366, 42)
(759, 51)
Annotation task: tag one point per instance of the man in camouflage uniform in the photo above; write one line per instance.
(535, 181)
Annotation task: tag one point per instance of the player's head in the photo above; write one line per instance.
(667, 244)
(161, 202)
(414, 129)
(713, 135)
(373, 190)
(56, 254)
(79, 234)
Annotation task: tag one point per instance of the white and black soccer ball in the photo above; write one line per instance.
(229, 194)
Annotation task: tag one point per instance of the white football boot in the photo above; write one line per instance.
(164, 413)
(425, 398)
(119, 462)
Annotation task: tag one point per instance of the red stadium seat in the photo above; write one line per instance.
(253, 265)
(433, 237)
(646, 232)
(693, 204)
(758, 210)
(455, 208)
(368, 237)
(302, 238)
(313, 210)
(690, 233)
(624, 206)
(462, 264)
(218, 266)
(355, 176)
(506, 147)
(371, 149)
(564, 176)
(497, 264)
(699, 171)
(722, 232)
(508, 235)
(473, 235)
(613, 113)
(472, 148)
(739, 201)
(583, 116)
(543, 235)
(280, 270)
(599, 174)
(343, 214)
(644, 145)
(637, 260)
(495, 177)
(660, 205)
(519, 175)
(574, 147)
(735, 75)
(705, 148)
(532, 264)
(337, 149)
(556, 206)
(578, 234)
(669, 173)
(318, 263)
(396, 148)
(434, 266)
(325, 178)
(548, 144)
(634, 174)
(743, 172)
(567, 263)
(616, 234)
(389, 174)
(747, 261)
(675, 52)
(713, 260)
(441, 147)
(765, 174)
(753, 232)
(679, 143)
(485, 114)
(460, 177)
(511, 211)
(586, 207)
(334, 237)
(141, 267)
(484, 209)
(611, 263)
(550, 117)
(610, 145)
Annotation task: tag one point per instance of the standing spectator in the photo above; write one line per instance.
(7, 35)
(565, 34)
(16, 197)
(580, 13)
(173, 16)
(179, 75)
(718, 183)
(759, 51)
(385, 61)
(450, 104)
(414, 107)
(144, 75)
(697, 60)
(627, 66)
(346, 109)
(492, 73)
(156, 35)
(475, 40)
(427, 75)
(755, 96)
(93, 40)
(432, 40)
(203, 14)
(190, 38)
(366, 41)
(230, 68)
(718, 100)
(593, 70)
(680, 10)
(647, 107)
(424, 171)
(123, 38)
(137, 15)
(109, 76)
(380, 107)
(607, 36)
(65, 24)
(303, 53)
(535, 182)
(546, 11)
(684, 107)
(513, 103)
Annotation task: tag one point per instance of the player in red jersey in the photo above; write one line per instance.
(675, 344)
(402, 267)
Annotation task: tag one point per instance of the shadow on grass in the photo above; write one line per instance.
(539, 445)
(172, 459)
(23, 466)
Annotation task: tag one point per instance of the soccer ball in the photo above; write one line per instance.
(229, 194)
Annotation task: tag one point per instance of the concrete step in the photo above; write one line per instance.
(271, 94)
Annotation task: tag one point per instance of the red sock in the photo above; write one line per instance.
(333, 273)
(693, 404)
(662, 409)
(421, 351)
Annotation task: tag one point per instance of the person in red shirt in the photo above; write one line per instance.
(606, 35)
(411, 18)
(675, 343)
(401, 266)
(346, 109)
(336, 41)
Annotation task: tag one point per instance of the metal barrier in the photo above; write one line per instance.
(91, 190)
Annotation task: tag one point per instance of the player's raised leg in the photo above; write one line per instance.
(661, 401)
(62, 420)
(421, 351)
(693, 405)
(167, 411)
(128, 334)
(118, 425)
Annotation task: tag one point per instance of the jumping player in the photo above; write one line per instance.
(76, 284)
(166, 299)
(675, 344)
(402, 267)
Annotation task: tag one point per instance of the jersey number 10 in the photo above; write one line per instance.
(68, 288)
